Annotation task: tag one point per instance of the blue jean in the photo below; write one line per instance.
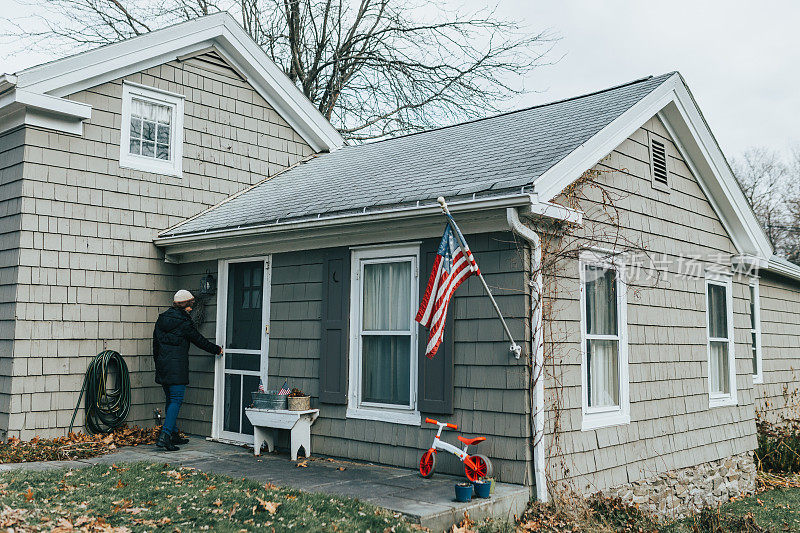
(174, 394)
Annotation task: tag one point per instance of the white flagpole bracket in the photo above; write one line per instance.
(515, 348)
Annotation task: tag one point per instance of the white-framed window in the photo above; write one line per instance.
(721, 359)
(755, 332)
(151, 137)
(384, 294)
(604, 345)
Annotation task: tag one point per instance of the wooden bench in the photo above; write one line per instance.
(266, 421)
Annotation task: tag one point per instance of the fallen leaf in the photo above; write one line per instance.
(29, 495)
(217, 502)
(342, 469)
(268, 506)
(302, 464)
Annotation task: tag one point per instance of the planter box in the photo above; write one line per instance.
(269, 400)
(299, 403)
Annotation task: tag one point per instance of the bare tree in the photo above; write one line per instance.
(375, 68)
(771, 186)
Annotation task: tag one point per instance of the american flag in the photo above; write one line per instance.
(285, 389)
(454, 263)
(261, 386)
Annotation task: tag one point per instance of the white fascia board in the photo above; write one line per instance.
(482, 215)
(7, 81)
(221, 31)
(674, 105)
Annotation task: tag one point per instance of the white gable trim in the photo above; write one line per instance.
(18, 107)
(88, 69)
(673, 103)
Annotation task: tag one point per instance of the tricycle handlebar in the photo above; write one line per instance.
(432, 421)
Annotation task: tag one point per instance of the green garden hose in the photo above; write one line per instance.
(106, 409)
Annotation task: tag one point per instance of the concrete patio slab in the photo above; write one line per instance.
(428, 502)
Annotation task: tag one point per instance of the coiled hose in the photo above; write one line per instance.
(106, 409)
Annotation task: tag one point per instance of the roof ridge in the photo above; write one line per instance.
(537, 106)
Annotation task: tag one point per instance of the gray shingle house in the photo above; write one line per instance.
(132, 170)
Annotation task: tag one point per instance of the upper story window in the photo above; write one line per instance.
(383, 343)
(152, 130)
(721, 361)
(604, 348)
(755, 332)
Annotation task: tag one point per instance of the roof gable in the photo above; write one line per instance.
(218, 32)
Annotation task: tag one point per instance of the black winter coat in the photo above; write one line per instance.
(171, 337)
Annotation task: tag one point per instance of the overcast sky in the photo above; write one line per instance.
(741, 59)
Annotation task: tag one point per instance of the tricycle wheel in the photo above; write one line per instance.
(427, 464)
(477, 466)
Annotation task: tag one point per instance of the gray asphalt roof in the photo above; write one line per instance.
(486, 157)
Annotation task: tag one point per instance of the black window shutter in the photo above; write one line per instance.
(333, 365)
(435, 375)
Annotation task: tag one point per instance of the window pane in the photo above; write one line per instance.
(148, 149)
(148, 130)
(249, 386)
(717, 312)
(386, 369)
(719, 369)
(163, 134)
(752, 307)
(755, 357)
(602, 357)
(232, 403)
(162, 151)
(242, 361)
(601, 301)
(387, 296)
(136, 147)
(136, 128)
(244, 305)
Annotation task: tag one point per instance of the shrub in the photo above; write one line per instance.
(778, 447)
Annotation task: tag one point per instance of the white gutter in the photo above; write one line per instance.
(538, 350)
(320, 221)
(783, 267)
(45, 102)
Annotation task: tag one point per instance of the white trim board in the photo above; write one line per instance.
(220, 31)
(673, 104)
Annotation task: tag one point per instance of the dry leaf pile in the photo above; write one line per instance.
(74, 445)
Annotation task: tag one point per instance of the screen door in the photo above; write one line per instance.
(245, 339)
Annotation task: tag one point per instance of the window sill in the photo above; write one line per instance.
(721, 401)
(758, 379)
(592, 421)
(409, 418)
(154, 167)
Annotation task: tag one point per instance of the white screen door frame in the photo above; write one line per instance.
(218, 418)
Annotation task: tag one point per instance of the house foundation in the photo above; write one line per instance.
(680, 492)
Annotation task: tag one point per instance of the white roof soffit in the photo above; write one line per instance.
(783, 267)
(75, 73)
(479, 215)
(676, 108)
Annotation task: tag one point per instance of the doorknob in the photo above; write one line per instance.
(266, 329)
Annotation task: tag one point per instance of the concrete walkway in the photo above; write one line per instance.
(428, 502)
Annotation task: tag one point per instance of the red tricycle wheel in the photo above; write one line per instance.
(427, 463)
(477, 466)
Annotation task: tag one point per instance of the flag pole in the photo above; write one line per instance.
(515, 348)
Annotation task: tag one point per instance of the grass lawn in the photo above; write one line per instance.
(147, 497)
(774, 510)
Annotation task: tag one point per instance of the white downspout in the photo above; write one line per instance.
(516, 225)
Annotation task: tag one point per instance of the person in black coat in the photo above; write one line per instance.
(171, 337)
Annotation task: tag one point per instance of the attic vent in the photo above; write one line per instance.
(659, 162)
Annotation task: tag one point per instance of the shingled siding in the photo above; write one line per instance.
(671, 425)
(778, 397)
(11, 161)
(90, 277)
(490, 385)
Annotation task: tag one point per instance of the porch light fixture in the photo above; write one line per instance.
(208, 284)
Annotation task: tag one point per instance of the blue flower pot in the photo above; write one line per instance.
(463, 494)
(483, 489)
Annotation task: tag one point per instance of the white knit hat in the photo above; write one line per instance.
(182, 296)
